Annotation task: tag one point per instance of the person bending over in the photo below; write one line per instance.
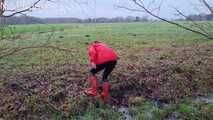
(101, 57)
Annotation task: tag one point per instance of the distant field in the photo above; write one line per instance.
(123, 37)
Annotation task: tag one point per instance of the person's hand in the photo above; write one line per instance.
(93, 65)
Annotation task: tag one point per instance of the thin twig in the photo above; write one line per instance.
(16, 50)
(207, 5)
(194, 23)
(140, 4)
(34, 5)
(130, 9)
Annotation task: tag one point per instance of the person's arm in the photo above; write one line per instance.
(92, 56)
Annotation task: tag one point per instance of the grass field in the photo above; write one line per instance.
(123, 36)
(157, 62)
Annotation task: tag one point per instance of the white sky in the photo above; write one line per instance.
(101, 8)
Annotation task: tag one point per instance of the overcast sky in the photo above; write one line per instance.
(100, 8)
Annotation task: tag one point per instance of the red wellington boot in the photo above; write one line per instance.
(105, 92)
(92, 91)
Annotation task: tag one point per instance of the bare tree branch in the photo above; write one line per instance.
(2, 7)
(140, 4)
(191, 20)
(207, 5)
(15, 12)
(130, 9)
(24, 10)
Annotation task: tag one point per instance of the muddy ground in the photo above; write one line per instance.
(162, 74)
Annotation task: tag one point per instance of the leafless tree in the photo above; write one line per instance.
(7, 51)
(14, 12)
(195, 27)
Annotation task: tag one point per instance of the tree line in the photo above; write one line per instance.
(35, 20)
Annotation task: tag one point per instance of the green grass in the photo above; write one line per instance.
(123, 37)
(188, 109)
(100, 114)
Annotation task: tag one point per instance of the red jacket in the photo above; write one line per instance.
(100, 53)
